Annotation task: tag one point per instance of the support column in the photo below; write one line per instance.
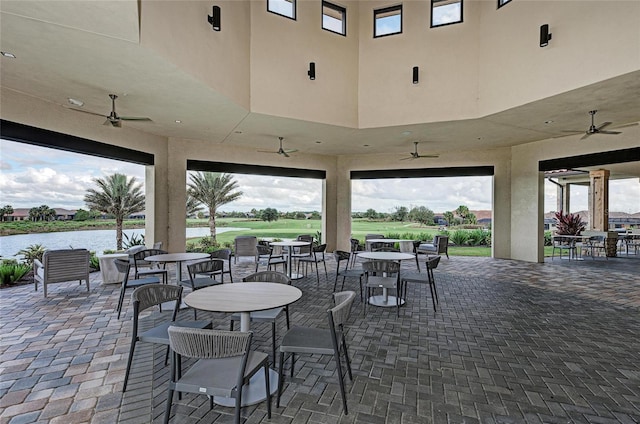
(599, 200)
(564, 197)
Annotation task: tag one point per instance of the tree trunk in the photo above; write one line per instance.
(119, 233)
(212, 224)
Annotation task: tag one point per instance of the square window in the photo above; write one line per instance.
(445, 12)
(387, 21)
(334, 18)
(502, 3)
(285, 8)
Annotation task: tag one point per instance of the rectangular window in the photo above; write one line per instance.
(285, 8)
(445, 12)
(387, 21)
(334, 18)
(502, 3)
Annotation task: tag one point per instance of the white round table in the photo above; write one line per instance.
(245, 298)
(405, 245)
(384, 299)
(108, 270)
(291, 244)
(178, 258)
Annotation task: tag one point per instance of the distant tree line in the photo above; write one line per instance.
(421, 215)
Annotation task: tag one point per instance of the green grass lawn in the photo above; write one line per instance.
(291, 228)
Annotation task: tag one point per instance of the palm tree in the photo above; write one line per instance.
(116, 196)
(213, 189)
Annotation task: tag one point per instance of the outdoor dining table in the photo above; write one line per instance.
(178, 258)
(291, 244)
(384, 299)
(245, 298)
(405, 245)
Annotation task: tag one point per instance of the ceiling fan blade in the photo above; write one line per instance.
(268, 151)
(429, 156)
(609, 132)
(283, 153)
(86, 111)
(410, 157)
(626, 125)
(134, 118)
(291, 150)
(603, 125)
(586, 135)
(572, 131)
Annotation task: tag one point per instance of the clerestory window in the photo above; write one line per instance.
(285, 8)
(445, 12)
(387, 21)
(334, 18)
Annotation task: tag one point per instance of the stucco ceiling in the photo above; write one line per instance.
(86, 50)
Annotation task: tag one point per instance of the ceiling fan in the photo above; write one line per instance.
(280, 151)
(599, 129)
(416, 155)
(113, 118)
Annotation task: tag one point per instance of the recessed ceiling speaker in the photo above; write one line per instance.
(214, 19)
(545, 35)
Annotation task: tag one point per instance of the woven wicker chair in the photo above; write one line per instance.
(270, 315)
(384, 275)
(342, 256)
(225, 363)
(143, 267)
(124, 267)
(265, 256)
(146, 297)
(244, 246)
(59, 266)
(317, 256)
(331, 341)
(226, 255)
(420, 278)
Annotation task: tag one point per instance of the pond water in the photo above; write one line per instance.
(94, 240)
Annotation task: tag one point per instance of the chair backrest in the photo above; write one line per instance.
(208, 266)
(389, 267)
(65, 264)
(383, 248)
(355, 245)
(262, 250)
(150, 295)
(157, 245)
(341, 255)
(373, 236)
(268, 277)
(443, 244)
(339, 314)
(432, 262)
(221, 254)
(203, 343)
(139, 257)
(123, 267)
(245, 245)
(319, 249)
(307, 238)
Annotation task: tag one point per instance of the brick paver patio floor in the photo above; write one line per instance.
(511, 342)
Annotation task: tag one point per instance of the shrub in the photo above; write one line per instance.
(459, 237)
(11, 271)
(134, 240)
(94, 262)
(548, 237)
(32, 252)
(476, 237)
(569, 224)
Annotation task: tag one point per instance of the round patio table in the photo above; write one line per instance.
(178, 258)
(291, 244)
(384, 299)
(405, 245)
(245, 298)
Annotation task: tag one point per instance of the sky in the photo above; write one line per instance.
(33, 176)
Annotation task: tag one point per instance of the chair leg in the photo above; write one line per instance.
(122, 289)
(280, 379)
(167, 411)
(129, 361)
(286, 314)
(268, 387)
(231, 325)
(346, 357)
(273, 340)
(341, 381)
(238, 405)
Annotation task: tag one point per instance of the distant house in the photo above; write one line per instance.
(138, 215)
(22, 214)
